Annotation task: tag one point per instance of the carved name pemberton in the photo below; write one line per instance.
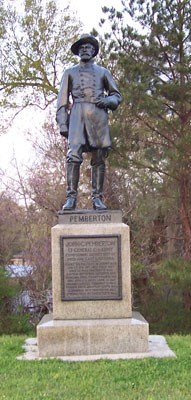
(90, 267)
(91, 217)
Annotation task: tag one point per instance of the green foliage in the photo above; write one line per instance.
(2, 21)
(33, 50)
(11, 320)
(162, 294)
(16, 323)
(177, 271)
(7, 290)
(150, 56)
(11, 228)
(107, 380)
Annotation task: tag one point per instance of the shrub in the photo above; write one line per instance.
(11, 320)
(162, 294)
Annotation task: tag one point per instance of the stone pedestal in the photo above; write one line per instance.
(92, 311)
(92, 336)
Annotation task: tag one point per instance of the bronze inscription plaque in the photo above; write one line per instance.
(91, 267)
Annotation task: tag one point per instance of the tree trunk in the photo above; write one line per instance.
(184, 208)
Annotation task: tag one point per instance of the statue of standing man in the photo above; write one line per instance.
(85, 122)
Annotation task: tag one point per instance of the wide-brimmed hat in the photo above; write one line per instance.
(85, 38)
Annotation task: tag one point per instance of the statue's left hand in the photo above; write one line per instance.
(103, 103)
(107, 102)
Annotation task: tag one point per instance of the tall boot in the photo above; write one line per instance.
(98, 172)
(73, 172)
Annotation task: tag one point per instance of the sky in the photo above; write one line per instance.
(90, 11)
(14, 143)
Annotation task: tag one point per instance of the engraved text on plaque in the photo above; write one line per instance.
(91, 267)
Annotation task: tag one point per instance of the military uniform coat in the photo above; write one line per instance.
(86, 83)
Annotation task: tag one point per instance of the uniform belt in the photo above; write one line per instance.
(85, 100)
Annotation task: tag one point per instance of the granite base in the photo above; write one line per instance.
(91, 337)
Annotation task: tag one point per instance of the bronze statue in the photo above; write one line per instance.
(85, 122)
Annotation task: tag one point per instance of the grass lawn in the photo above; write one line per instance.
(157, 379)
